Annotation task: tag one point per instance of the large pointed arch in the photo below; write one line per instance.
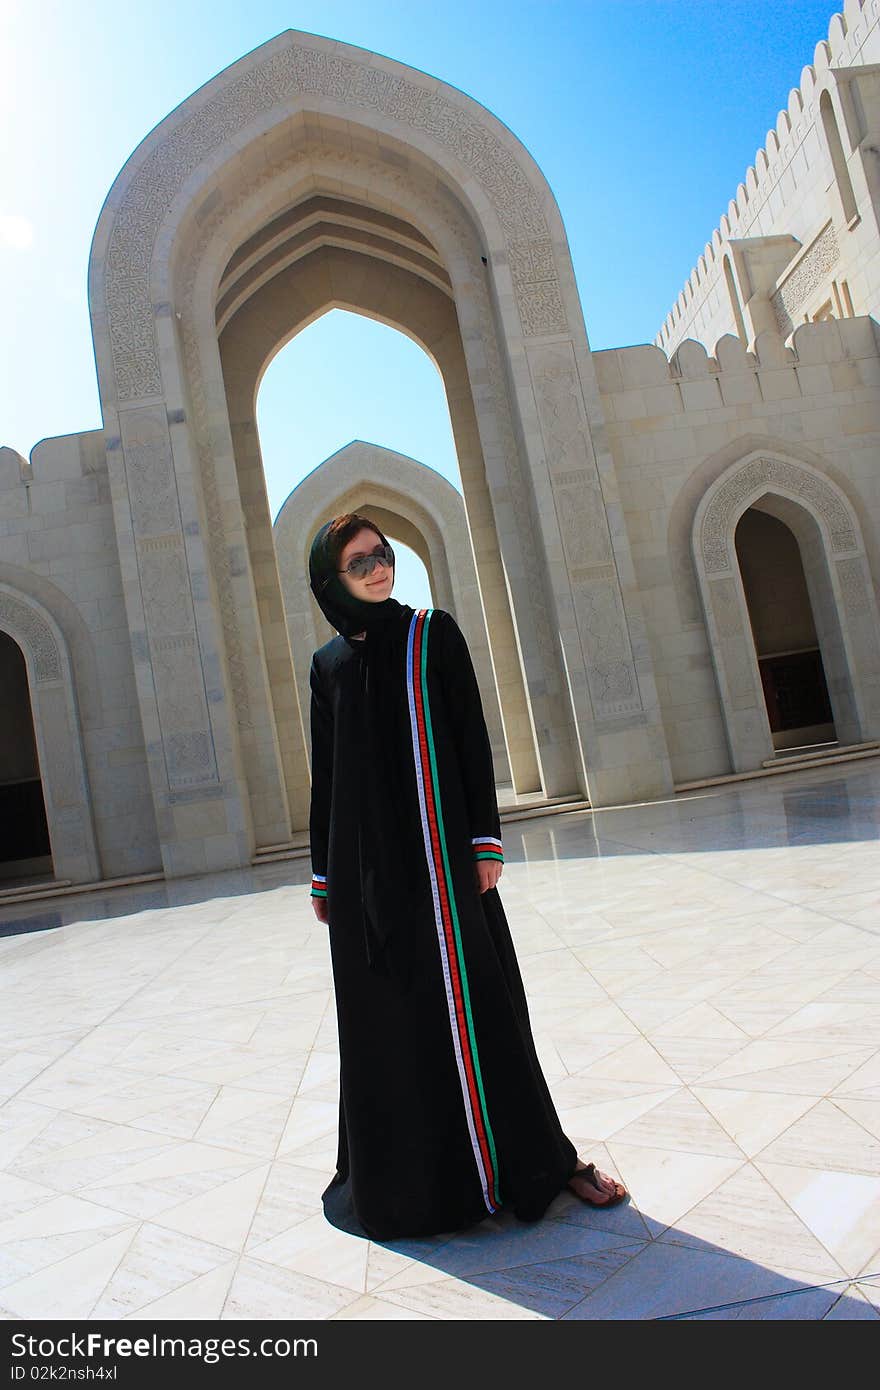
(304, 118)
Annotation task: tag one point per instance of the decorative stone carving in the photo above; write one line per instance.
(167, 598)
(66, 776)
(580, 508)
(726, 607)
(150, 472)
(165, 587)
(29, 630)
(188, 755)
(809, 272)
(736, 653)
(854, 586)
(285, 75)
(716, 531)
(179, 682)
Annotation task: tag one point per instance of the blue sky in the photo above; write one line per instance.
(642, 114)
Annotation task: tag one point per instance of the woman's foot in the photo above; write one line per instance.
(596, 1188)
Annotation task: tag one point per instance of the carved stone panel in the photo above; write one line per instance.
(810, 271)
(178, 677)
(282, 76)
(583, 526)
(28, 628)
(716, 531)
(736, 653)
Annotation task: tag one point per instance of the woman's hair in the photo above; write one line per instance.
(344, 528)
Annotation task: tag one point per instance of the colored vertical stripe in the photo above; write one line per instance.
(446, 912)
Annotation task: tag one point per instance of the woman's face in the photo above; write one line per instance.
(373, 587)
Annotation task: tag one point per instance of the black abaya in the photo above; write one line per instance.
(444, 1112)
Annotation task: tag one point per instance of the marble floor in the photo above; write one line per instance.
(704, 985)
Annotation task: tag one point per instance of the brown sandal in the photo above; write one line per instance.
(611, 1198)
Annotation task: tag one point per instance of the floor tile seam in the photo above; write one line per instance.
(687, 857)
(143, 1115)
(299, 1273)
(122, 1216)
(100, 1233)
(856, 1121)
(751, 1157)
(577, 1301)
(565, 1219)
(697, 1202)
(141, 1070)
(581, 1302)
(107, 1017)
(144, 1308)
(873, 1002)
(760, 1298)
(156, 1218)
(271, 1162)
(790, 1270)
(741, 1154)
(253, 1160)
(134, 1235)
(145, 1071)
(218, 1088)
(828, 1057)
(543, 1259)
(338, 1316)
(388, 1299)
(781, 1195)
(171, 1140)
(476, 1274)
(814, 1168)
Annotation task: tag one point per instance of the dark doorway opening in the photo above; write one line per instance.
(789, 655)
(25, 850)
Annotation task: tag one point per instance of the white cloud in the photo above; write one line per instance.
(16, 232)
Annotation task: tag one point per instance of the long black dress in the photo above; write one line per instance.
(444, 1112)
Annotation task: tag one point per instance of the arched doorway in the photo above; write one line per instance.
(837, 576)
(25, 851)
(784, 631)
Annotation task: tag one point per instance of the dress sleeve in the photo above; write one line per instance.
(321, 717)
(465, 710)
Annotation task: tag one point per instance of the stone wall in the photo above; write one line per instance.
(58, 552)
(675, 426)
(793, 237)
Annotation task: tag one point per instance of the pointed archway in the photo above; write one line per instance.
(56, 759)
(221, 199)
(422, 508)
(840, 589)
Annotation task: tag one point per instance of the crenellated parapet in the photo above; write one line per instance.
(14, 470)
(777, 181)
(693, 379)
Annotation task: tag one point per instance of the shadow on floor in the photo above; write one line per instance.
(579, 1264)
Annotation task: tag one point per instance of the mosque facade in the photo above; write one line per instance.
(665, 558)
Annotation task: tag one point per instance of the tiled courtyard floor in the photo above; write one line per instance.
(704, 983)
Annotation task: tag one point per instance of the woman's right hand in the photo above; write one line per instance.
(320, 906)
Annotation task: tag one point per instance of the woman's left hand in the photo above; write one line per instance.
(488, 872)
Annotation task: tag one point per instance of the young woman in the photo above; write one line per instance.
(444, 1112)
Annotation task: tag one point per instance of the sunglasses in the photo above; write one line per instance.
(362, 565)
